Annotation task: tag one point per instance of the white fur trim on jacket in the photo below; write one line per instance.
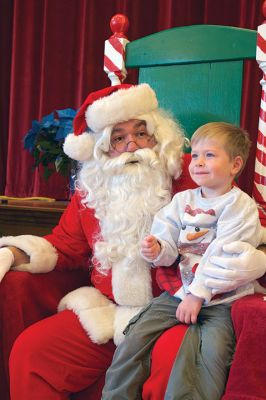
(120, 106)
(43, 255)
(101, 319)
(263, 235)
(122, 317)
(132, 286)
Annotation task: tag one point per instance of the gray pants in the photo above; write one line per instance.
(202, 363)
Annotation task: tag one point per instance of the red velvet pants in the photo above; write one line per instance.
(55, 357)
(24, 299)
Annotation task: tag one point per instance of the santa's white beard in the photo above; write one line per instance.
(125, 192)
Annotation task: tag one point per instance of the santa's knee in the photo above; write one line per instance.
(31, 353)
(24, 354)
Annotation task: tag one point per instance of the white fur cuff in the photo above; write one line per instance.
(43, 255)
(95, 312)
(101, 319)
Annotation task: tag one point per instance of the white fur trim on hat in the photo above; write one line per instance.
(43, 255)
(121, 106)
(79, 147)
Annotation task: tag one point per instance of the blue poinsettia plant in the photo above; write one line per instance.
(45, 142)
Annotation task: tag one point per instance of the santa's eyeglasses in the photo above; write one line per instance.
(121, 142)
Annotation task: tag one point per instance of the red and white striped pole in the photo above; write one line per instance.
(259, 190)
(114, 50)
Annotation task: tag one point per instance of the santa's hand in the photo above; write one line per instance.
(6, 261)
(242, 265)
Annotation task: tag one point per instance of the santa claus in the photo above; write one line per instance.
(129, 151)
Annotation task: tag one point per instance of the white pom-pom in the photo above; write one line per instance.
(79, 147)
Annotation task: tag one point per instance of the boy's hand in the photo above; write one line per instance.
(150, 247)
(189, 308)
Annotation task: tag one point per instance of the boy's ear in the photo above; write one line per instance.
(237, 165)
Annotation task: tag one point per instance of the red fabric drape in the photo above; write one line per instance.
(52, 56)
(5, 54)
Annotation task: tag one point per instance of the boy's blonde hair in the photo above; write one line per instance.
(236, 140)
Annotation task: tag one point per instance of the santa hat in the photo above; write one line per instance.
(105, 108)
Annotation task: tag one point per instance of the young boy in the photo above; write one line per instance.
(193, 228)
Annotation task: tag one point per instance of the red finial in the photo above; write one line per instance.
(264, 9)
(119, 25)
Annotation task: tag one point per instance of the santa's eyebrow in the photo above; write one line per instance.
(117, 130)
(140, 123)
(136, 125)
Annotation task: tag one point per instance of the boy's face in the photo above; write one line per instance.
(211, 167)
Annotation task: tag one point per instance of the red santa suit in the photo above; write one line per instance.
(120, 281)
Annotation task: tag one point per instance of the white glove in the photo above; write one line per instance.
(242, 265)
(6, 261)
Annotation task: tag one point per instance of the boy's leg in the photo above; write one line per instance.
(202, 364)
(54, 358)
(131, 363)
(162, 359)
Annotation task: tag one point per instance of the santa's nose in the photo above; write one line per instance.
(132, 146)
(196, 235)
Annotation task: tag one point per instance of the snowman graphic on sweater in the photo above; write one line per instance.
(198, 230)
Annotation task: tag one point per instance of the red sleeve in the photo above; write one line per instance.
(73, 236)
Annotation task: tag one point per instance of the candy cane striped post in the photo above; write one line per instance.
(259, 189)
(114, 50)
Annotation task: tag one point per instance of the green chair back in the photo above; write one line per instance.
(196, 71)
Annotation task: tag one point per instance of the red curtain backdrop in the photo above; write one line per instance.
(52, 57)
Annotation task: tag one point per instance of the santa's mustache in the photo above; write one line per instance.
(147, 157)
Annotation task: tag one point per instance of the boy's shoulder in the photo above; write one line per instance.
(242, 195)
(186, 195)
